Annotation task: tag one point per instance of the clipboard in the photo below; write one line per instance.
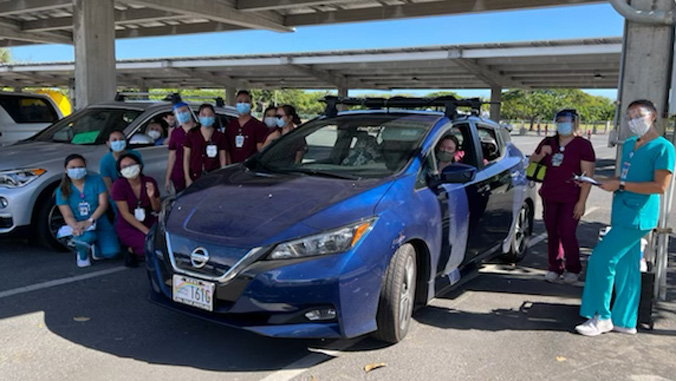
(585, 179)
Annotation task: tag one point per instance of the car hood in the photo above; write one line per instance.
(238, 208)
(35, 154)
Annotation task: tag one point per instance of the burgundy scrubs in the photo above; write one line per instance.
(122, 191)
(242, 140)
(559, 195)
(176, 143)
(204, 155)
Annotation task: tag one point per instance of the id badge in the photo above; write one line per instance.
(557, 159)
(212, 151)
(625, 170)
(140, 214)
(239, 141)
(84, 209)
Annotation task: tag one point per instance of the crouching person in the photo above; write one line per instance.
(137, 199)
(82, 200)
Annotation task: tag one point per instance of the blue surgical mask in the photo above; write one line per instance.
(207, 121)
(270, 121)
(243, 108)
(564, 128)
(183, 117)
(280, 122)
(76, 173)
(118, 145)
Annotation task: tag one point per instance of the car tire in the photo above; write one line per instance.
(523, 229)
(48, 220)
(397, 296)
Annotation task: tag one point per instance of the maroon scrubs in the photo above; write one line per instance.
(176, 143)
(200, 161)
(559, 195)
(122, 191)
(252, 133)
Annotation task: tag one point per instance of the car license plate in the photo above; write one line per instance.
(193, 292)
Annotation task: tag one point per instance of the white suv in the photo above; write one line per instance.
(22, 115)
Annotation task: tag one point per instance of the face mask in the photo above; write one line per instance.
(243, 108)
(76, 173)
(280, 122)
(639, 126)
(445, 156)
(564, 128)
(118, 145)
(131, 171)
(154, 134)
(270, 121)
(207, 121)
(183, 117)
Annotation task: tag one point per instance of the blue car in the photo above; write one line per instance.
(345, 225)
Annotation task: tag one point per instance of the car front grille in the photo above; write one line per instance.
(221, 258)
(6, 222)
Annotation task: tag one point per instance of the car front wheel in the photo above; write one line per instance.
(397, 296)
(522, 231)
(49, 220)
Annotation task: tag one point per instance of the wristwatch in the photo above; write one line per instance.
(622, 184)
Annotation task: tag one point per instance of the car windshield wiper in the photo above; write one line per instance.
(316, 172)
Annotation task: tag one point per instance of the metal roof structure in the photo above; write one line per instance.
(51, 21)
(584, 63)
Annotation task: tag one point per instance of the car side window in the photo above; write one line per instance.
(464, 152)
(28, 109)
(491, 146)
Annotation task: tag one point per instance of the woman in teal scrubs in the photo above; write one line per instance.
(647, 166)
(83, 201)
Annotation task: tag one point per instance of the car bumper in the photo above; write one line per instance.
(272, 298)
(19, 208)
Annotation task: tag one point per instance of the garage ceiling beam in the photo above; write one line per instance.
(131, 15)
(207, 27)
(485, 74)
(219, 80)
(15, 33)
(23, 6)
(267, 5)
(432, 8)
(219, 12)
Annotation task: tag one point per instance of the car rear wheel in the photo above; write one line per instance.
(521, 238)
(48, 222)
(397, 296)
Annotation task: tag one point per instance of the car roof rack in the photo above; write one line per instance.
(122, 96)
(449, 103)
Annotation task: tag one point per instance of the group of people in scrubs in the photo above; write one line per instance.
(114, 210)
(614, 265)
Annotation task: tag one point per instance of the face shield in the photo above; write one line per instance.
(183, 113)
(565, 121)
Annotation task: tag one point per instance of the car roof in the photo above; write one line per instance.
(32, 95)
(154, 105)
(433, 115)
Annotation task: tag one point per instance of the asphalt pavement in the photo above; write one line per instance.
(59, 322)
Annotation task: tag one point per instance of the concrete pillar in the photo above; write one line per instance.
(143, 88)
(647, 64)
(71, 94)
(17, 89)
(94, 36)
(342, 92)
(496, 98)
(230, 95)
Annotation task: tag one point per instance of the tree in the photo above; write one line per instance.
(5, 55)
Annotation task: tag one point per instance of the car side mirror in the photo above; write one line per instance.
(457, 173)
(141, 140)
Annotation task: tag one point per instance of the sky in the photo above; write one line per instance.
(599, 20)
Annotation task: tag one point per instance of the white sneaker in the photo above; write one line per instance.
(594, 327)
(551, 276)
(95, 256)
(628, 331)
(570, 278)
(83, 262)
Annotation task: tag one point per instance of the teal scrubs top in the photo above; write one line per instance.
(93, 186)
(641, 211)
(107, 165)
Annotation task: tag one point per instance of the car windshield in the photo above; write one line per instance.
(90, 126)
(353, 146)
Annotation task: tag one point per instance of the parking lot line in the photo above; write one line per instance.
(59, 282)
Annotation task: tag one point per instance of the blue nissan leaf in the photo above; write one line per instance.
(345, 225)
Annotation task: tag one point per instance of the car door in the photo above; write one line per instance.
(488, 194)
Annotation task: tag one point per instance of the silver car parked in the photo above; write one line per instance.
(31, 170)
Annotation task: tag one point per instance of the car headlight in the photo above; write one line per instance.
(20, 177)
(332, 242)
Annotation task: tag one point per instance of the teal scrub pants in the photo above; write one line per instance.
(104, 237)
(616, 260)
